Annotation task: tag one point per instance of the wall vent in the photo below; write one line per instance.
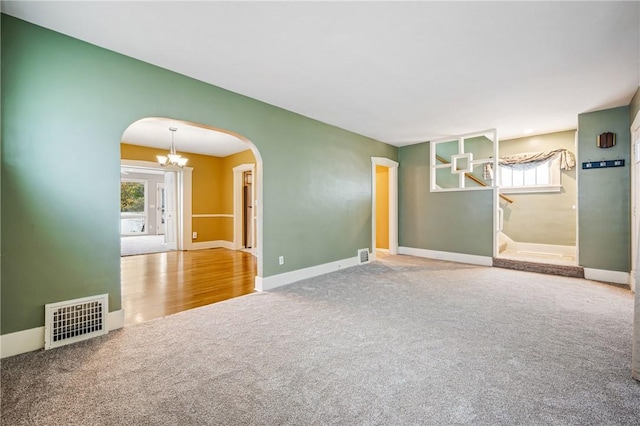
(75, 320)
(363, 256)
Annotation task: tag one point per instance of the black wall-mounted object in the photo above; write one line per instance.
(602, 164)
(606, 140)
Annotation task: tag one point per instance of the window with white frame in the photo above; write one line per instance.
(531, 177)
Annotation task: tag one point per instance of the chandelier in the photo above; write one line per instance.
(172, 159)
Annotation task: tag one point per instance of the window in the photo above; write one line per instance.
(133, 211)
(532, 177)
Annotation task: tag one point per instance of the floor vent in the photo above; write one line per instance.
(75, 320)
(363, 256)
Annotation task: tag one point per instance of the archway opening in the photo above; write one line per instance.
(213, 260)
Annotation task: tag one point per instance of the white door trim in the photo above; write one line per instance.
(159, 203)
(393, 204)
(635, 198)
(238, 172)
(184, 197)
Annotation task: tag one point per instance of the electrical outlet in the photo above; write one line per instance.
(195, 236)
(281, 260)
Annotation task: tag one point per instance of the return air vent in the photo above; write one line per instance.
(75, 320)
(363, 256)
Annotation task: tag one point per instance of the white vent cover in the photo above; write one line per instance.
(75, 320)
(363, 256)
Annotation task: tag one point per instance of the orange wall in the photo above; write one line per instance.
(212, 190)
(382, 207)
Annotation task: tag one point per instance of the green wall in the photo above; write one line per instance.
(60, 233)
(604, 194)
(542, 217)
(458, 222)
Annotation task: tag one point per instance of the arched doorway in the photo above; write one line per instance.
(205, 217)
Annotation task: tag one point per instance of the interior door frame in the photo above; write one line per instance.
(238, 185)
(635, 198)
(160, 201)
(393, 203)
(183, 185)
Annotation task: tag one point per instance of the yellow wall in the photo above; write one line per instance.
(382, 207)
(212, 190)
(228, 163)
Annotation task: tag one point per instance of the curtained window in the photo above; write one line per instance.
(533, 172)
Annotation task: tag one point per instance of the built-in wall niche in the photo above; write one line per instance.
(459, 163)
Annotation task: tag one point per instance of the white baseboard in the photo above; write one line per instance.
(21, 341)
(445, 255)
(269, 283)
(115, 320)
(213, 244)
(616, 277)
(33, 339)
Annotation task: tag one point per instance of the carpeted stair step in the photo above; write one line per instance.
(542, 268)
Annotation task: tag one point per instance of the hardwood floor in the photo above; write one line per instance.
(160, 284)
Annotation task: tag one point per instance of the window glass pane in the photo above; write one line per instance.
(132, 208)
(518, 178)
(132, 197)
(530, 177)
(543, 173)
(506, 176)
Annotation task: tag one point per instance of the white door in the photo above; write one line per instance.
(160, 207)
(170, 210)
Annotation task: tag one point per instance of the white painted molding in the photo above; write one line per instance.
(237, 203)
(616, 277)
(445, 255)
(21, 341)
(382, 161)
(33, 339)
(184, 212)
(274, 281)
(212, 244)
(116, 320)
(152, 165)
(211, 215)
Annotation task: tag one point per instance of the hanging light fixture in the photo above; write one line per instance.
(172, 159)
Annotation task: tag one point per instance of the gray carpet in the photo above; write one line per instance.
(400, 341)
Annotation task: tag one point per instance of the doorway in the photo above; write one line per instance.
(537, 218)
(204, 265)
(148, 217)
(384, 206)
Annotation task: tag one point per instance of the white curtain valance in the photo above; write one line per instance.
(529, 160)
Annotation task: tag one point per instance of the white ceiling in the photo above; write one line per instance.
(154, 132)
(400, 72)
